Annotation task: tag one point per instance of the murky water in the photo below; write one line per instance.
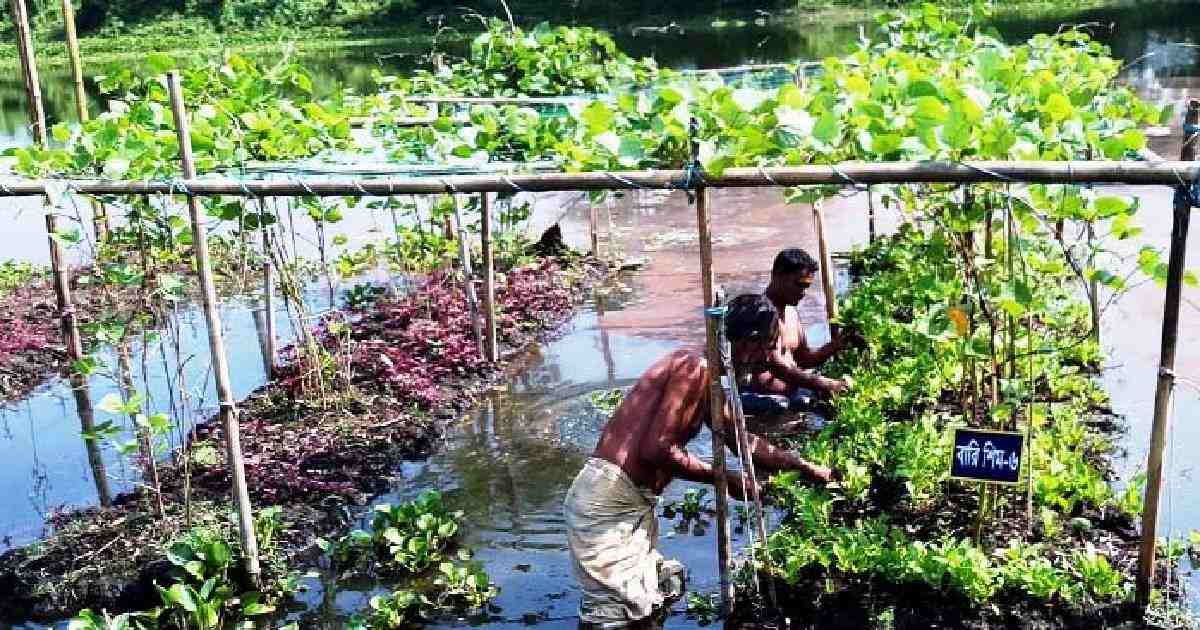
(48, 466)
(509, 465)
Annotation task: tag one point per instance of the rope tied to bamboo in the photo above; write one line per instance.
(176, 183)
(767, 176)
(1188, 192)
(510, 182)
(626, 182)
(300, 182)
(1004, 178)
(450, 187)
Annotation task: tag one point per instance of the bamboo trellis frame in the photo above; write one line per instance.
(844, 174)
(1182, 175)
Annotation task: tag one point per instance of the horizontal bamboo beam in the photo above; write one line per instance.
(860, 173)
(312, 167)
(490, 100)
(755, 67)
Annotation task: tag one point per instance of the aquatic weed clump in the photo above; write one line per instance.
(417, 345)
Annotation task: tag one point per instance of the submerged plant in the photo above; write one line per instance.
(416, 534)
(606, 401)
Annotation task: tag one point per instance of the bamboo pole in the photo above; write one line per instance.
(747, 459)
(464, 258)
(870, 216)
(37, 122)
(216, 341)
(68, 11)
(29, 72)
(1093, 284)
(1166, 378)
(87, 422)
(492, 346)
(268, 296)
(1132, 173)
(831, 308)
(1029, 456)
(594, 224)
(716, 403)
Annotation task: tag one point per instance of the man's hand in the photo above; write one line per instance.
(849, 338)
(823, 474)
(836, 386)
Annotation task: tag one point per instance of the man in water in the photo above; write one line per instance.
(786, 381)
(612, 528)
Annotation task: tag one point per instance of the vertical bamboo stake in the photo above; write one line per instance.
(464, 257)
(1029, 459)
(1094, 284)
(716, 403)
(594, 222)
(87, 421)
(76, 65)
(1166, 379)
(37, 123)
(268, 300)
(216, 341)
(489, 280)
(99, 212)
(1010, 247)
(831, 309)
(33, 88)
(870, 215)
(747, 460)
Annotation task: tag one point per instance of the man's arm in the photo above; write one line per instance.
(770, 457)
(807, 357)
(783, 367)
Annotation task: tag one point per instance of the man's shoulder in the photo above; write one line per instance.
(681, 359)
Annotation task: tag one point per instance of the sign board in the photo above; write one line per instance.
(987, 456)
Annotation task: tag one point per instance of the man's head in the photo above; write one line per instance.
(751, 325)
(791, 275)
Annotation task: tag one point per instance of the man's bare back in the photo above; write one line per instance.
(664, 410)
(648, 434)
(611, 528)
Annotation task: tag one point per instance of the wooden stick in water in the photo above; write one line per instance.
(717, 404)
(216, 340)
(1166, 378)
(489, 281)
(464, 257)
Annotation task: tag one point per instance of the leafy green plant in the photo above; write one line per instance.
(362, 296)
(703, 607)
(691, 508)
(398, 609)
(465, 586)
(606, 401)
(88, 620)
(1098, 576)
(416, 534)
(543, 61)
(16, 274)
(1129, 501)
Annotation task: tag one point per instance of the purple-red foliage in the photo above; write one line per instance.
(20, 335)
(416, 344)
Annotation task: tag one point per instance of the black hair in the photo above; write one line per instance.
(750, 317)
(793, 259)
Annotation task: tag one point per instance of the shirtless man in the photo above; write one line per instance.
(787, 382)
(612, 528)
